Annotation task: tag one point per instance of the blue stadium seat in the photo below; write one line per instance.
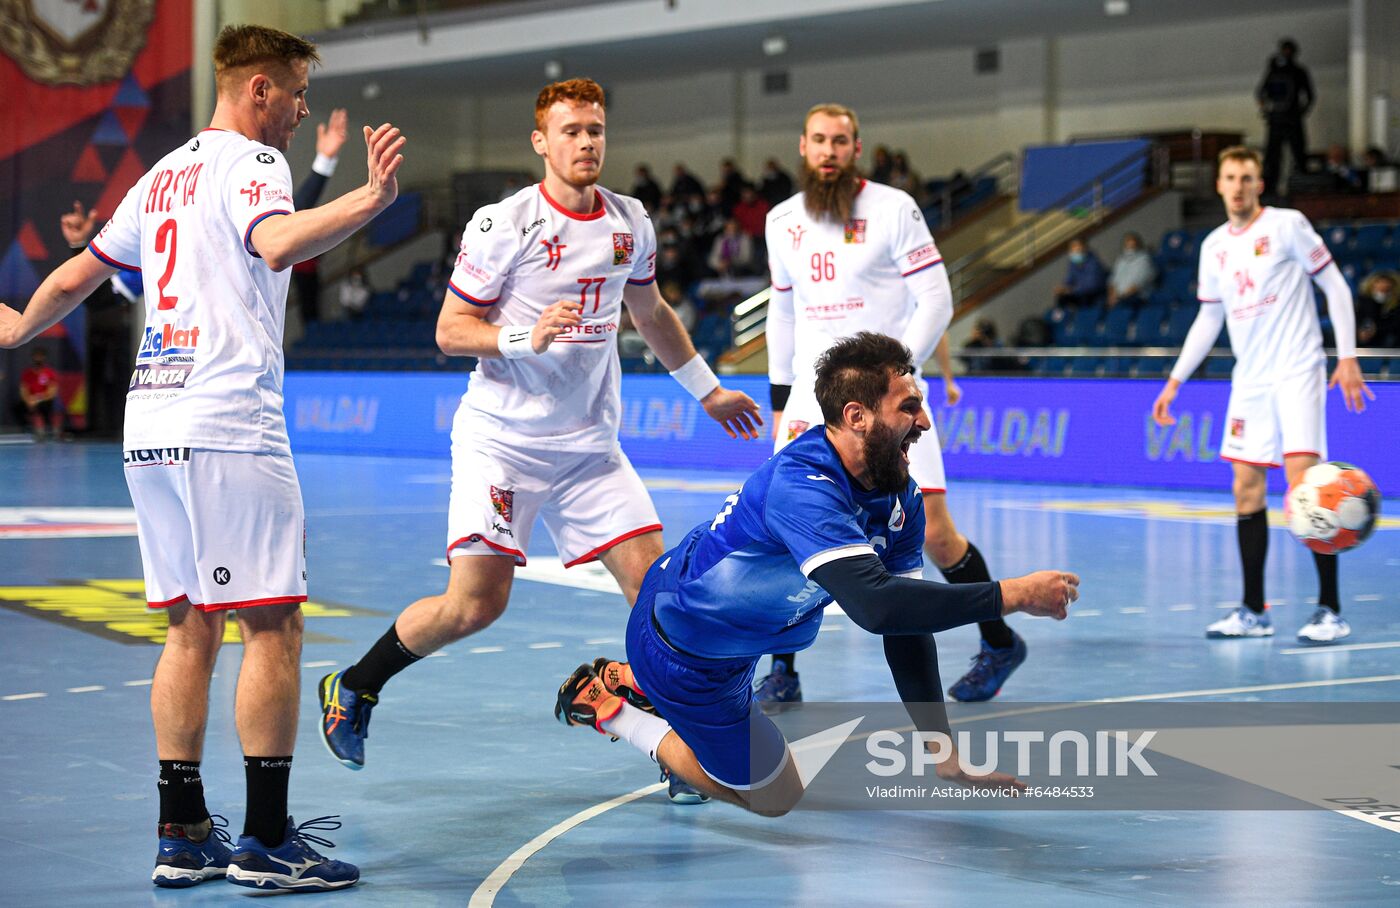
(1374, 240)
(1371, 365)
(1339, 239)
(1219, 368)
(1085, 366)
(1059, 319)
(1147, 326)
(1120, 366)
(1117, 325)
(1178, 323)
(1084, 327)
(1176, 250)
(1177, 283)
(1053, 365)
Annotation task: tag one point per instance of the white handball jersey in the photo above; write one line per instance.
(847, 278)
(523, 254)
(1262, 275)
(209, 369)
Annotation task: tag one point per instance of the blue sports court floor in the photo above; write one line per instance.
(473, 792)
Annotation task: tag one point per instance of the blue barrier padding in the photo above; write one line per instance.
(1083, 431)
(1049, 173)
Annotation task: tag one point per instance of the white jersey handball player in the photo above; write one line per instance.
(847, 255)
(1256, 279)
(536, 296)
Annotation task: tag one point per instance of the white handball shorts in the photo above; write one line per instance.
(1266, 423)
(223, 529)
(589, 501)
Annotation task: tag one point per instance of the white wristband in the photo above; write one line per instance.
(514, 341)
(696, 377)
(324, 165)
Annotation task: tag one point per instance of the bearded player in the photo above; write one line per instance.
(847, 255)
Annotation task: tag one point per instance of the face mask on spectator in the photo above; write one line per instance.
(1076, 257)
(1379, 296)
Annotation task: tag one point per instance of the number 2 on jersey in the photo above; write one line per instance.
(166, 229)
(597, 284)
(823, 266)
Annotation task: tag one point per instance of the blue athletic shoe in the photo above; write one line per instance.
(292, 865)
(345, 720)
(680, 791)
(779, 689)
(181, 862)
(990, 669)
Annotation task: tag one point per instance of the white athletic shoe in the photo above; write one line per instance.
(1242, 623)
(1325, 626)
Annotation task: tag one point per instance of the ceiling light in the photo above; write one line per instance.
(553, 69)
(774, 45)
(1115, 7)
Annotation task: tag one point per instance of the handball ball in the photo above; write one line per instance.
(1334, 507)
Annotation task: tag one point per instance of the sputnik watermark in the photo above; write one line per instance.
(1113, 753)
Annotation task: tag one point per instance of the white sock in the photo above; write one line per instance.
(639, 728)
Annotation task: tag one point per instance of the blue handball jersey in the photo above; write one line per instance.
(738, 587)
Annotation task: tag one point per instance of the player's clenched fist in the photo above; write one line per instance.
(1046, 594)
(556, 319)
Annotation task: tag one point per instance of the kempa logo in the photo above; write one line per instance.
(1111, 752)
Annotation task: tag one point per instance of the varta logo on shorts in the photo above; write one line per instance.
(168, 341)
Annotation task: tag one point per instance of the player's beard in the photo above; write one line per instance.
(885, 468)
(830, 200)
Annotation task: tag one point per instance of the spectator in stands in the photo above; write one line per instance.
(902, 176)
(1084, 280)
(38, 393)
(732, 252)
(110, 353)
(355, 293)
(776, 185)
(1345, 178)
(330, 136)
(751, 211)
(675, 261)
(983, 337)
(685, 184)
(1133, 274)
(1379, 170)
(881, 164)
(1285, 96)
(1378, 310)
(731, 185)
(646, 190)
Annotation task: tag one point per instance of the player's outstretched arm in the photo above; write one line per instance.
(302, 235)
(658, 325)
(59, 294)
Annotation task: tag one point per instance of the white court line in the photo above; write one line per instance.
(1183, 607)
(34, 696)
(600, 641)
(485, 894)
(324, 663)
(487, 649)
(1085, 613)
(143, 683)
(86, 690)
(1133, 611)
(1368, 597)
(549, 645)
(1348, 648)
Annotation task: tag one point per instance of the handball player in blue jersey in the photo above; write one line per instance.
(832, 517)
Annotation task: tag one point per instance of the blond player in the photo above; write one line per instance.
(847, 255)
(219, 514)
(537, 295)
(1256, 279)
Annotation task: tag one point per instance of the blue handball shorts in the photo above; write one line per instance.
(709, 702)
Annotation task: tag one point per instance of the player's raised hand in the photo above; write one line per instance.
(77, 226)
(383, 145)
(1162, 406)
(1046, 594)
(556, 319)
(1354, 390)
(952, 392)
(735, 411)
(330, 135)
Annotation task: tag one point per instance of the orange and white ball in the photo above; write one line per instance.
(1334, 507)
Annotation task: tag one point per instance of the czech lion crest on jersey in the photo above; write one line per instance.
(796, 428)
(62, 42)
(622, 248)
(503, 500)
(855, 230)
(1261, 246)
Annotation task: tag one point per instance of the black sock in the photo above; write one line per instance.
(267, 798)
(972, 568)
(181, 792)
(1327, 594)
(384, 660)
(789, 661)
(1253, 533)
